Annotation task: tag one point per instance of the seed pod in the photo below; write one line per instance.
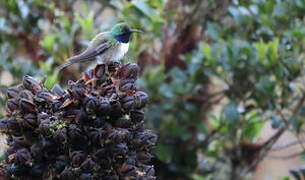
(120, 149)
(144, 157)
(36, 151)
(91, 105)
(141, 99)
(31, 84)
(3, 125)
(13, 125)
(122, 123)
(44, 128)
(13, 92)
(26, 94)
(67, 174)
(137, 115)
(57, 90)
(36, 171)
(99, 71)
(150, 172)
(144, 139)
(128, 102)
(60, 136)
(74, 132)
(127, 85)
(46, 96)
(128, 71)
(19, 142)
(96, 135)
(88, 164)
(12, 105)
(104, 105)
(77, 157)
(14, 170)
(86, 176)
(128, 170)
(61, 163)
(29, 121)
(26, 105)
(23, 156)
(100, 153)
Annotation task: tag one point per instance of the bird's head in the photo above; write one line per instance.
(122, 32)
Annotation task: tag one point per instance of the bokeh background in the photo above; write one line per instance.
(225, 78)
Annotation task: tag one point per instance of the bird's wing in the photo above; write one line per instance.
(99, 39)
(96, 47)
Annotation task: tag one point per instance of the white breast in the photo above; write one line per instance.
(122, 51)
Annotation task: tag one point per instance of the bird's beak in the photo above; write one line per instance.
(136, 30)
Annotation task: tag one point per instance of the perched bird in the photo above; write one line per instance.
(107, 46)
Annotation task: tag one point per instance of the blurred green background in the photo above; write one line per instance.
(216, 72)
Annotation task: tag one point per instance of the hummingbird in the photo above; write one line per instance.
(107, 46)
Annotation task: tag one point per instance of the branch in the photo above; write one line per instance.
(286, 145)
(299, 105)
(286, 157)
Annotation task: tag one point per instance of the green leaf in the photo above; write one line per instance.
(206, 50)
(197, 177)
(87, 23)
(231, 114)
(296, 123)
(273, 46)
(144, 8)
(276, 122)
(47, 42)
(253, 127)
(262, 50)
(164, 153)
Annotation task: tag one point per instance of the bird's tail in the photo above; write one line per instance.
(71, 61)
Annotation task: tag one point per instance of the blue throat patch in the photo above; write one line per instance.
(122, 38)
